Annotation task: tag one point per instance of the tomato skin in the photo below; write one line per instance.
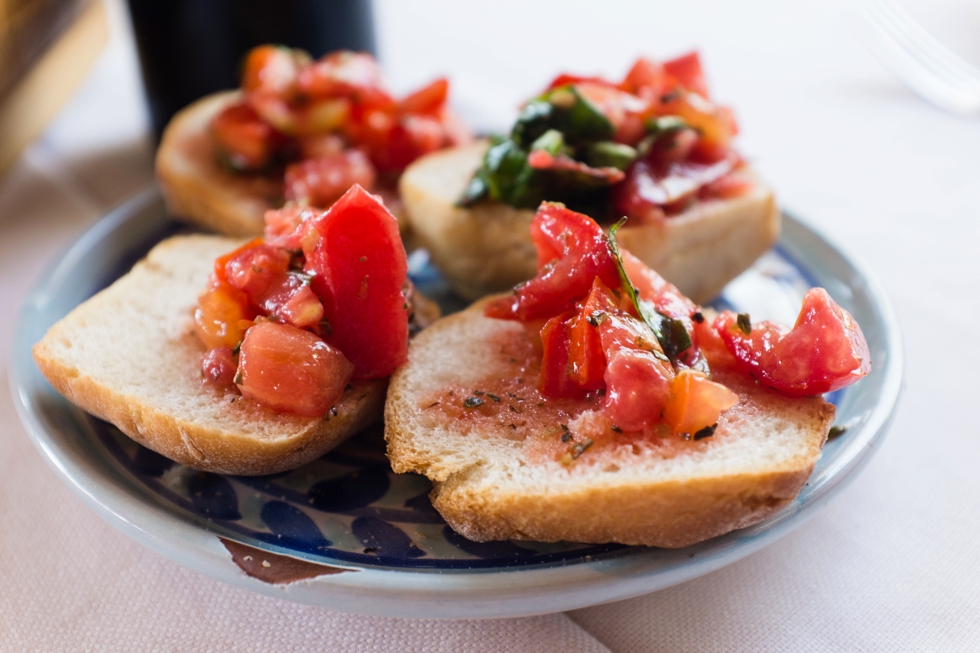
(290, 299)
(824, 351)
(637, 389)
(646, 78)
(360, 268)
(428, 99)
(291, 370)
(253, 267)
(271, 69)
(695, 402)
(572, 252)
(249, 142)
(554, 380)
(345, 74)
(688, 72)
(322, 181)
(222, 315)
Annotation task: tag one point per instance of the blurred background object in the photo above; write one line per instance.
(46, 49)
(930, 69)
(190, 48)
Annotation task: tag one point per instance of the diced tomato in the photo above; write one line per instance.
(252, 268)
(622, 109)
(219, 367)
(687, 70)
(586, 358)
(695, 402)
(712, 347)
(291, 370)
(322, 181)
(543, 160)
(651, 189)
(345, 74)
(728, 187)
(290, 299)
(288, 226)
(637, 389)
(646, 78)
(360, 265)
(313, 146)
(428, 99)
(715, 125)
(824, 351)
(554, 380)
(652, 287)
(249, 142)
(564, 79)
(222, 315)
(270, 68)
(572, 252)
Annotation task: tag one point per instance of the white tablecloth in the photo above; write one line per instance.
(891, 565)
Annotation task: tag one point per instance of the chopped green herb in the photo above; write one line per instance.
(607, 154)
(239, 377)
(479, 393)
(836, 431)
(472, 402)
(579, 448)
(566, 436)
(237, 348)
(706, 432)
(495, 398)
(744, 323)
(670, 332)
(596, 318)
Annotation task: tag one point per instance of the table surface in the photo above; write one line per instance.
(889, 565)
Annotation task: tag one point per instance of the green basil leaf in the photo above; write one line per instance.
(607, 154)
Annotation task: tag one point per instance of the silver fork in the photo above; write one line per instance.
(924, 64)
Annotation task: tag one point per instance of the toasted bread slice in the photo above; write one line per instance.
(487, 248)
(509, 468)
(198, 189)
(128, 355)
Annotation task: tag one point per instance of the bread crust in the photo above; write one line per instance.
(196, 187)
(489, 486)
(487, 248)
(128, 355)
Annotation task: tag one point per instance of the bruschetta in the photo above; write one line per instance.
(652, 148)
(597, 403)
(245, 357)
(297, 130)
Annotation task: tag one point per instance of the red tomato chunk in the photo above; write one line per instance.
(595, 341)
(322, 302)
(291, 370)
(824, 351)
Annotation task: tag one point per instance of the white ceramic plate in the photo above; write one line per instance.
(350, 513)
